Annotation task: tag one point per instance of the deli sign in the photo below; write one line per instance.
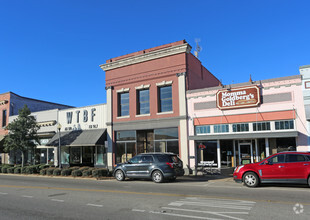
(238, 97)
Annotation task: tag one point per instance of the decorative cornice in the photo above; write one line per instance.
(122, 90)
(181, 74)
(164, 83)
(142, 87)
(46, 123)
(3, 102)
(109, 87)
(183, 48)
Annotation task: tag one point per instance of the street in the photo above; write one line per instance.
(35, 197)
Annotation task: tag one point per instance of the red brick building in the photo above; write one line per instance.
(146, 100)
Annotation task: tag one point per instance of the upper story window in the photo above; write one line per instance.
(261, 126)
(165, 98)
(283, 125)
(203, 129)
(221, 128)
(4, 116)
(123, 104)
(241, 127)
(143, 101)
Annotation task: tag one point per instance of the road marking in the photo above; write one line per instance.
(183, 216)
(222, 214)
(1, 193)
(137, 210)
(145, 193)
(95, 205)
(27, 196)
(57, 200)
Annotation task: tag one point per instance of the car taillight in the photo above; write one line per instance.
(170, 164)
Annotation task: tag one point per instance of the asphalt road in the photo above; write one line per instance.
(32, 197)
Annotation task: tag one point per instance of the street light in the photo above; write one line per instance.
(59, 153)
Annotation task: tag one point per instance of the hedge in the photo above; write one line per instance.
(57, 172)
(100, 172)
(88, 172)
(76, 173)
(10, 170)
(50, 171)
(43, 172)
(17, 170)
(66, 172)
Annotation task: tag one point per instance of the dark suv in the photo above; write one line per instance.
(155, 166)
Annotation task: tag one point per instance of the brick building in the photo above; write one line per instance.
(146, 100)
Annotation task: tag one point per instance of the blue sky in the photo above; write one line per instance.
(51, 49)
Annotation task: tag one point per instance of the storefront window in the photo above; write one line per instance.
(261, 126)
(43, 155)
(101, 155)
(125, 151)
(166, 133)
(227, 152)
(173, 147)
(283, 125)
(160, 146)
(125, 135)
(204, 129)
(65, 155)
(50, 155)
(241, 127)
(207, 151)
(221, 128)
(75, 155)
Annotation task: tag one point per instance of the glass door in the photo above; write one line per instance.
(245, 153)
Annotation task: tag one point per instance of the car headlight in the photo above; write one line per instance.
(238, 168)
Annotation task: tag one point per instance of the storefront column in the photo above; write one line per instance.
(267, 147)
(56, 156)
(256, 151)
(218, 154)
(109, 151)
(251, 150)
(47, 155)
(235, 159)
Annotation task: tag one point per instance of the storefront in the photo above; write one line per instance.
(245, 123)
(131, 143)
(81, 136)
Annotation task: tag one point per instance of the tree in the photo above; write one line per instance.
(22, 134)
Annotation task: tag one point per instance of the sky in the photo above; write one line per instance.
(51, 49)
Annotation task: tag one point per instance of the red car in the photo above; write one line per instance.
(284, 167)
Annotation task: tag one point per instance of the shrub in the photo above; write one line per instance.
(66, 172)
(100, 172)
(10, 170)
(43, 172)
(84, 168)
(28, 170)
(88, 172)
(43, 166)
(57, 172)
(4, 169)
(17, 170)
(76, 173)
(50, 171)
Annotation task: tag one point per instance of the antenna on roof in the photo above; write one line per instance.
(198, 48)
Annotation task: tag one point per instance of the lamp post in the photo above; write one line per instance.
(59, 152)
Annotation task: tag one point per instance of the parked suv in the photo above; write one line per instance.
(284, 167)
(155, 166)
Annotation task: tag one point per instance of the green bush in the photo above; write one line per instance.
(28, 170)
(83, 168)
(43, 166)
(43, 172)
(66, 172)
(17, 170)
(76, 173)
(57, 172)
(100, 172)
(10, 170)
(87, 172)
(50, 171)
(4, 169)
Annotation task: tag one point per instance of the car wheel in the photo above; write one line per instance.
(157, 176)
(250, 179)
(119, 175)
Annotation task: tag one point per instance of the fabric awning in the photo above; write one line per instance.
(79, 138)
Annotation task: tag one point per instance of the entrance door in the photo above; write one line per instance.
(245, 153)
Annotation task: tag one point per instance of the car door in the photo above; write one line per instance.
(132, 167)
(145, 165)
(274, 168)
(296, 167)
